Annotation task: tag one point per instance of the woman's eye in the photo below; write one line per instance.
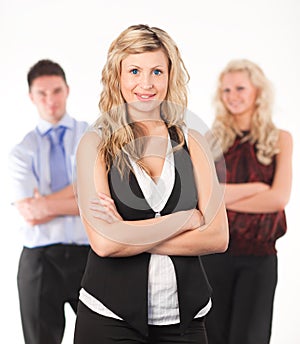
(134, 71)
(240, 88)
(157, 72)
(226, 90)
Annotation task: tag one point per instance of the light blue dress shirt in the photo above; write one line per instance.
(29, 169)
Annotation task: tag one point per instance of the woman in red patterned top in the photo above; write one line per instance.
(258, 175)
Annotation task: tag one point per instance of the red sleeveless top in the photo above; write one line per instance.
(250, 234)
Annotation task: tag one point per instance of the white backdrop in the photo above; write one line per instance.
(208, 33)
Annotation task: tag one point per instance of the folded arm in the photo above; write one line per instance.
(276, 196)
(235, 192)
(111, 236)
(41, 209)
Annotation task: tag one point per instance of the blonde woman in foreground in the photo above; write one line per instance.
(150, 201)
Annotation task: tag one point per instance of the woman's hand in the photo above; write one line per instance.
(103, 207)
(196, 220)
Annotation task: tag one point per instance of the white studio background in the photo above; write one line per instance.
(209, 34)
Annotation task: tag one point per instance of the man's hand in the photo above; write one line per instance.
(34, 209)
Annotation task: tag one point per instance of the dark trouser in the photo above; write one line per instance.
(243, 295)
(92, 328)
(47, 278)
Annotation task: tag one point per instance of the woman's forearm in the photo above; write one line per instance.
(125, 238)
(265, 202)
(235, 192)
(213, 239)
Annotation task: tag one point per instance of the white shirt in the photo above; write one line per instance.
(163, 306)
(29, 168)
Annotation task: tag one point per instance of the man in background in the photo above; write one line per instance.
(55, 249)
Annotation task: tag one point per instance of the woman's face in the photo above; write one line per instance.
(238, 94)
(144, 82)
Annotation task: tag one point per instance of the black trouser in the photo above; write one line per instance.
(243, 295)
(48, 277)
(92, 328)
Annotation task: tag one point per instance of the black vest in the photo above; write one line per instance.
(121, 284)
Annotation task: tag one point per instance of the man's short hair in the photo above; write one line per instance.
(44, 67)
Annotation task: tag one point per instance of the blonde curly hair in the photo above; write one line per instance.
(118, 134)
(263, 131)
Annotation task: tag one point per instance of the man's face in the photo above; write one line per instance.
(49, 94)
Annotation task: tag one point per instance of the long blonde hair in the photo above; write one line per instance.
(263, 131)
(117, 133)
